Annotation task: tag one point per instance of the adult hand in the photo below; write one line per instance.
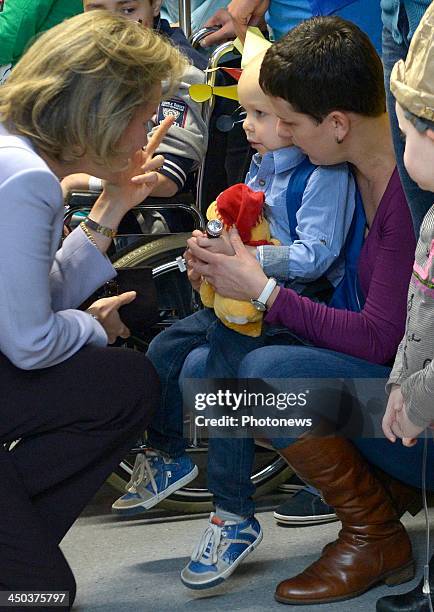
(194, 277)
(238, 276)
(396, 423)
(215, 245)
(134, 184)
(128, 188)
(226, 32)
(106, 311)
(245, 13)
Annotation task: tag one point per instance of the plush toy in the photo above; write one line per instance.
(240, 207)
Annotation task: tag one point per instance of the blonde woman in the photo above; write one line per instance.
(77, 101)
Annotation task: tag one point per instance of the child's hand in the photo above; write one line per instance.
(394, 404)
(405, 429)
(396, 423)
(214, 245)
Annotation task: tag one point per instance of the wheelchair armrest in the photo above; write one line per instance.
(82, 201)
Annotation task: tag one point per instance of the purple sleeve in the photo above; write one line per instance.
(374, 333)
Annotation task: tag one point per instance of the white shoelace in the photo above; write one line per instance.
(211, 537)
(142, 473)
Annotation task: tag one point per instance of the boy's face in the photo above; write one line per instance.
(260, 123)
(131, 9)
(418, 153)
(316, 140)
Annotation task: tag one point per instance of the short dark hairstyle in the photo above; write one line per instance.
(325, 64)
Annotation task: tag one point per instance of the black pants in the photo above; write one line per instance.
(75, 422)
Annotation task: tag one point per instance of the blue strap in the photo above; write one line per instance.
(294, 193)
(348, 295)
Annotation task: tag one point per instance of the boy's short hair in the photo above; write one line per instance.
(325, 64)
(76, 89)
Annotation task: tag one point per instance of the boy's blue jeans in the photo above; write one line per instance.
(168, 352)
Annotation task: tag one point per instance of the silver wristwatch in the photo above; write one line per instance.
(260, 303)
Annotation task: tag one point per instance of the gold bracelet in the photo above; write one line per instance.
(108, 232)
(88, 234)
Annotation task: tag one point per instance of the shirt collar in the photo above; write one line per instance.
(283, 159)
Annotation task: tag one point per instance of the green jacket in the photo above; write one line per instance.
(22, 20)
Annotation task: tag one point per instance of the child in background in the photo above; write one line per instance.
(410, 409)
(185, 144)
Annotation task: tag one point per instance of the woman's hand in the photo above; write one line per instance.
(106, 311)
(396, 423)
(194, 277)
(134, 184)
(214, 245)
(129, 188)
(238, 276)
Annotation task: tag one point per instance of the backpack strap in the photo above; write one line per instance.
(348, 295)
(294, 193)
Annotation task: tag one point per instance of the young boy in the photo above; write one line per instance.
(410, 409)
(323, 220)
(184, 147)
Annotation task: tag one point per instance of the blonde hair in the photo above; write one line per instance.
(76, 89)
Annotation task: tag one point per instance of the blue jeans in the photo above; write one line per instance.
(419, 201)
(230, 460)
(168, 352)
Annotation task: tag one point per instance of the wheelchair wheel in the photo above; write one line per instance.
(176, 300)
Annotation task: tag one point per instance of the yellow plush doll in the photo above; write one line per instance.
(240, 207)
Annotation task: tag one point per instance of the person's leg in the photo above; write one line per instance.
(419, 201)
(399, 462)
(168, 352)
(164, 467)
(30, 558)
(230, 460)
(366, 502)
(73, 430)
(232, 532)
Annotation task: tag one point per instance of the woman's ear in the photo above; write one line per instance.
(340, 125)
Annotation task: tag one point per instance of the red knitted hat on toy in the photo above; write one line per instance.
(241, 207)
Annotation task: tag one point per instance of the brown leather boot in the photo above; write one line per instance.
(372, 546)
(404, 497)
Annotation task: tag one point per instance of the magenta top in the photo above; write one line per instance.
(384, 269)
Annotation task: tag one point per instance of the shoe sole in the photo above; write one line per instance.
(150, 503)
(224, 575)
(392, 578)
(305, 520)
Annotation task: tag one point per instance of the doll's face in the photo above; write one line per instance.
(261, 122)
(419, 152)
(134, 10)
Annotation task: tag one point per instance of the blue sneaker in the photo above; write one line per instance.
(155, 476)
(222, 547)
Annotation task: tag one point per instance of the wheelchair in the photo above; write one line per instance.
(176, 300)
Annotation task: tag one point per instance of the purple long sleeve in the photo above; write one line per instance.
(384, 271)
